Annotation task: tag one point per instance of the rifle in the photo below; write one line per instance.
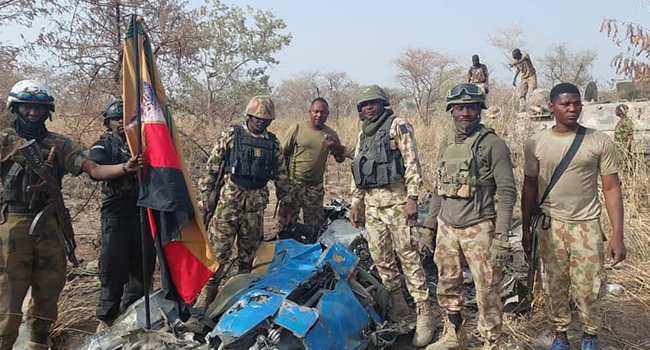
(214, 196)
(49, 186)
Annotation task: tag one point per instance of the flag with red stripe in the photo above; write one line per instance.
(186, 259)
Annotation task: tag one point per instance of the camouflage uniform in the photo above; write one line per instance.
(624, 129)
(26, 261)
(528, 81)
(454, 247)
(240, 211)
(479, 77)
(309, 198)
(387, 229)
(573, 256)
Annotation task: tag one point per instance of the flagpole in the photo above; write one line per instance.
(138, 115)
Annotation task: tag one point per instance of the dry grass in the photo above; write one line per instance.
(198, 136)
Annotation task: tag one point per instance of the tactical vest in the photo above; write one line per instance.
(251, 162)
(458, 168)
(379, 162)
(20, 176)
(123, 186)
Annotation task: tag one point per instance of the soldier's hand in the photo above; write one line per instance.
(134, 163)
(616, 251)
(411, 210)
(427, 236)
(354, 217)
(285, 214)
(205, 209)
(499, 252)
(487, 90)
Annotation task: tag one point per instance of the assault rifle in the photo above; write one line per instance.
(214, 195)
(50, 187)
(533, 257)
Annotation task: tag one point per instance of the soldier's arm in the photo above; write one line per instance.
(487, 75)
(76, 162)
(529, 191)
(281, 177)
(501, 166)
(407, 145)
(431, 221)
(208, 178)
(358, 194)
(469, 75)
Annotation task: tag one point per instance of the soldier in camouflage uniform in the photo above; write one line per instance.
(474, 165)
(39, 260)
(120, 259)
(387, 180)
(478, 75)
(251, 156)
(570, 235)
(528, 83)
(306, 147)
(624, 131)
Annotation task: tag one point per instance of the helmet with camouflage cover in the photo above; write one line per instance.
(261, 107)
(371, 93)
(465, 94)
(30, 91)
(114, 109)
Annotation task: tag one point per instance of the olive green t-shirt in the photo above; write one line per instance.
(307, 159)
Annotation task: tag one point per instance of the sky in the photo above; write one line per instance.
(364, 38)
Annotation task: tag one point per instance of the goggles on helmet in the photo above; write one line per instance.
(469, 89)
(28, 96)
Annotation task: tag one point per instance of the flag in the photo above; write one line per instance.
(185, 257)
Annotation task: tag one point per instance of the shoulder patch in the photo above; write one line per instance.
(403, 129)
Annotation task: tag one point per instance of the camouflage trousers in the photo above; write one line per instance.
(27, 261)
(229, 223)
(454, 247)
(526, 87)
(388, 233)
(309, 198)
(573, 259)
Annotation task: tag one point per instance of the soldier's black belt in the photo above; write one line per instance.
(20, 209)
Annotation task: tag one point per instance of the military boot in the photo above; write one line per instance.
(425, 325)
(450, 338)
(207, 295)
(399, 309)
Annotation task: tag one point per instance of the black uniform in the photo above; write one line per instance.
(120, 259)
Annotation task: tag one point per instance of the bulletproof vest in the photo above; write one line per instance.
(20, 176)
(458, 168)
(251, 162)
(123, 186)
(379, 162)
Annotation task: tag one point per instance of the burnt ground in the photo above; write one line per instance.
(625, 326)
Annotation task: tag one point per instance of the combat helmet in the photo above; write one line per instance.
(465, 94)
(114, 109)
(372, 93)
(261, 107)
(30, 91)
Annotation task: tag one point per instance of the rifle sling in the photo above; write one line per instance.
(564, 163)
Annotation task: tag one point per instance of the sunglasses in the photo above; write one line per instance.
(469, 89)
(39, 96)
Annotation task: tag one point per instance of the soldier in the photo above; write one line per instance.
(571, 238)
(120, 259)
(474, 165)
(624, 131)
(478, 74)
(528, 76)
(39, 260)
(387, 180)
(306, 147)
(250, 156)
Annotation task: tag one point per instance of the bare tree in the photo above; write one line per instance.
(635, 38)
(424, 73)
(563, 65)
(507, 39)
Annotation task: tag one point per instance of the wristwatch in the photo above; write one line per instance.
(415, 198)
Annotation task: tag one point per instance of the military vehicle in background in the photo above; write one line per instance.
(600, 114)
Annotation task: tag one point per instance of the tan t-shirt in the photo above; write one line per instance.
(526, 67)
(308, 158)
(575, 196)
